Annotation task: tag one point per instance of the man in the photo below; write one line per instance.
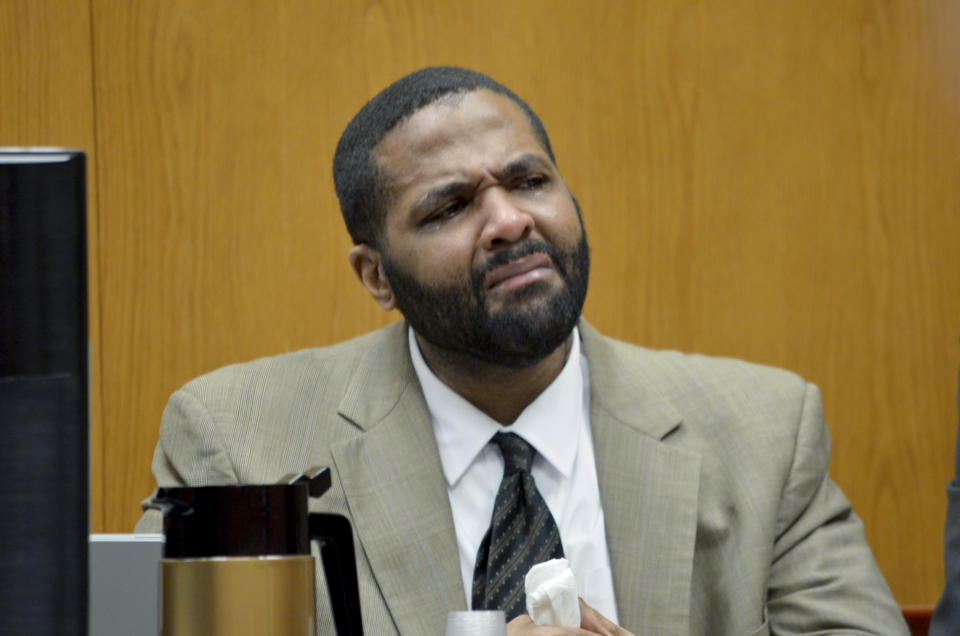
(689, 494)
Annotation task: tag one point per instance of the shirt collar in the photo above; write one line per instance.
(550, 423)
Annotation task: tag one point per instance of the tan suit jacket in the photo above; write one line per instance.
(713, 477)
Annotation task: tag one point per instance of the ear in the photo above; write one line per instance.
(368, 267)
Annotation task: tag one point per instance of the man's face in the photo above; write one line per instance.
(484, 248)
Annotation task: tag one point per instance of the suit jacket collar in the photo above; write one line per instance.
(394, 487)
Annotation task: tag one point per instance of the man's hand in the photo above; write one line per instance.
(591, 622)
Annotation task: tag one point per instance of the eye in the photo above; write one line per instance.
(448, 211)
(531, 182)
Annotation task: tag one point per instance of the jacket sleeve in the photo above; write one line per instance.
(190, 452)
(823, 577)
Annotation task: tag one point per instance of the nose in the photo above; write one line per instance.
(506, 223)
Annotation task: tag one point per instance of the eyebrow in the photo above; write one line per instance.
(519, 166)
(522, 165)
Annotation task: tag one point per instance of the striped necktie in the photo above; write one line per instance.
(522, 533)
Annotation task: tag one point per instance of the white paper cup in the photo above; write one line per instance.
(476, 623)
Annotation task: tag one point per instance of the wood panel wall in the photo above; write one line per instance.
(772, 181)
(46, 99)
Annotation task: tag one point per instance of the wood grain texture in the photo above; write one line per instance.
(46, 99)
(772, 181)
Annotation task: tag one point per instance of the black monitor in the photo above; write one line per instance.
(44, 391)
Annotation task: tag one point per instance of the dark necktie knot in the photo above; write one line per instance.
(517, 453)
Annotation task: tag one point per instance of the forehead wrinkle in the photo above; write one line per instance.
(433, 160)
(435, 125)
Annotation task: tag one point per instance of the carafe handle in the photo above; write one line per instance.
(335, 536)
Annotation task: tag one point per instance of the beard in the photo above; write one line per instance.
(524, 331)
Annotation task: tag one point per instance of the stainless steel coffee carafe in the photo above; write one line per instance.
(237, 560)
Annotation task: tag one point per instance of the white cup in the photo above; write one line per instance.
(476, 623)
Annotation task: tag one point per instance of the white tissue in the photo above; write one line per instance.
(552, 594)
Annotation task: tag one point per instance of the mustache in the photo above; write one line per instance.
(528, 247)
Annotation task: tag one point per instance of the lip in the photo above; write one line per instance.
(519, 272)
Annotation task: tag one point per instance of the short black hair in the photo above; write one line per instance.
(361, 186)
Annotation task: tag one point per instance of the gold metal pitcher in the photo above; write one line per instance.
(237, 560)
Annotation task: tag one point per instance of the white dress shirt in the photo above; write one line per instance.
(557, 425)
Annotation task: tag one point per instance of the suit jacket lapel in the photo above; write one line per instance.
(648, 488)
(394, 486)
